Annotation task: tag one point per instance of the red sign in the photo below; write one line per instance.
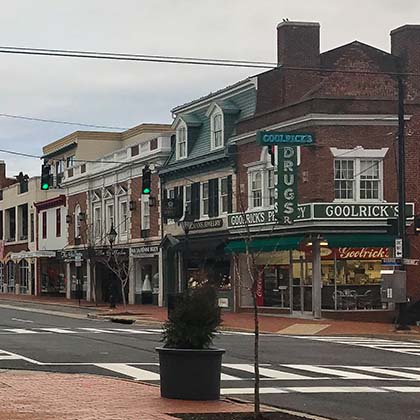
(260, 288)
(347, 253)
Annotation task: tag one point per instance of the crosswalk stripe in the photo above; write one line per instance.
(271, 373)
(403, 388)
(58, 330)
(248, 391)
(129, 331)
(330, 371)
(389, 371)
(98, 331)
(8, 357)
(133, 372)
(21, 331)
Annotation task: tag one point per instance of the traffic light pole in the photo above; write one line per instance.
(402, 230)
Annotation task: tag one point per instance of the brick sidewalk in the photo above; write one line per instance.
(244, 321)
(44, 396)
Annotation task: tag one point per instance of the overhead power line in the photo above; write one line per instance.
(23, 117)
(203, 61)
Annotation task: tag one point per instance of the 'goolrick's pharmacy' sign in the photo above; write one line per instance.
(287, 202)
(323, 211)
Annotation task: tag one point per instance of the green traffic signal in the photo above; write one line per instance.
(146, 191)
(45, 186)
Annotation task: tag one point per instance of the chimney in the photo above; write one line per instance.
(298, 44)
(405, 43)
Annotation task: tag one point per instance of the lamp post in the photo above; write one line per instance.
(112, 236)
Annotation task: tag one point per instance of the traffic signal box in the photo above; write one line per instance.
(46, 177)
(146, 181)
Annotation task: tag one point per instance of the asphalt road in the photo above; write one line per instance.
(345, 378)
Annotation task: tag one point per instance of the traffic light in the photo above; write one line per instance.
(271, 153)
(146, 180)
(417, 225)
(46, 177)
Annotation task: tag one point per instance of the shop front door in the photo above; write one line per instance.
(302, 286)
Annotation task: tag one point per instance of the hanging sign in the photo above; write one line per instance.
(277, 138)
(287, 180)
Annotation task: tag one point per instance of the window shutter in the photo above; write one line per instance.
(195, 200)
(179, 195)
(214, 197)
(230, 195)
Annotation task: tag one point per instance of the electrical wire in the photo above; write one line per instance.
(23, 117)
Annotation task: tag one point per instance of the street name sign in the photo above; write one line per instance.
(398, 248)
(410, 261)
(391, 261)
(280, 138)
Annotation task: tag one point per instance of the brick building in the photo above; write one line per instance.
(347, 98)
(106, 195)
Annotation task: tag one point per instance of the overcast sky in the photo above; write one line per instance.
(125, 94)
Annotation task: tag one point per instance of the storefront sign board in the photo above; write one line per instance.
(287, 181)
(207, 224)
(280, 138)
(410, 261)
(144, 250)
(323, 211)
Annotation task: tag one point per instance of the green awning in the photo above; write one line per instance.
(280, 243)
(359, 240)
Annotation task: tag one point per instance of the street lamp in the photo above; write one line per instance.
(112, 236)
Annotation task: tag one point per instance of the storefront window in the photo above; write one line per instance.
(24, 276)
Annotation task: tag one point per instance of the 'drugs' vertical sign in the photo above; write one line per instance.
(287, 180)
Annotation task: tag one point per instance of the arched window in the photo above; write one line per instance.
(217, 130)
(181, 141)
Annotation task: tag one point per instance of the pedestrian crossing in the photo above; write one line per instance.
(237, 379)
(89, 330)
(405, 347)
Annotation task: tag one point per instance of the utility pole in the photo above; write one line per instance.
(402, 230)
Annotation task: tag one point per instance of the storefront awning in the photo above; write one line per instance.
(265, 244)
(359, 240)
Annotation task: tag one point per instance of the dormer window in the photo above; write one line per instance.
(181, 142)
(217, 130)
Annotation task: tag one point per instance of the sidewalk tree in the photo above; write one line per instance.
(254, 272)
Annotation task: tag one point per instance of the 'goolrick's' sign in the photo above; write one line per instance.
(287, 180)
(324, 211)
(276, 138)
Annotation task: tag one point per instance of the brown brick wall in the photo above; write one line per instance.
(72, 202)
(136, 187)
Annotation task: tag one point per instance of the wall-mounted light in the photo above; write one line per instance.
(152, 201)
(132, 205)
(68, 218)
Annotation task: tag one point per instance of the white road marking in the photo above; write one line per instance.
(306, 390)
(130, 331)
(271, 373)
(20, 331)
(131, 371)
(332, 371)
(403, 388)
(22, 320)
(98, 331)
(20, 357)
(250, 391)
(390, 371)
(58, 330)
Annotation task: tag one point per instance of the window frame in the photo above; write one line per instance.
(44, 225)
(123, 222)
(182, 127)
(217, 115)
(203, 199)
(145, 213)
(251, 199)
(58, 222)
(77, 211)
(357, 178)
(223, 195)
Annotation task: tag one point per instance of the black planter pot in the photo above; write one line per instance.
(187, 374)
